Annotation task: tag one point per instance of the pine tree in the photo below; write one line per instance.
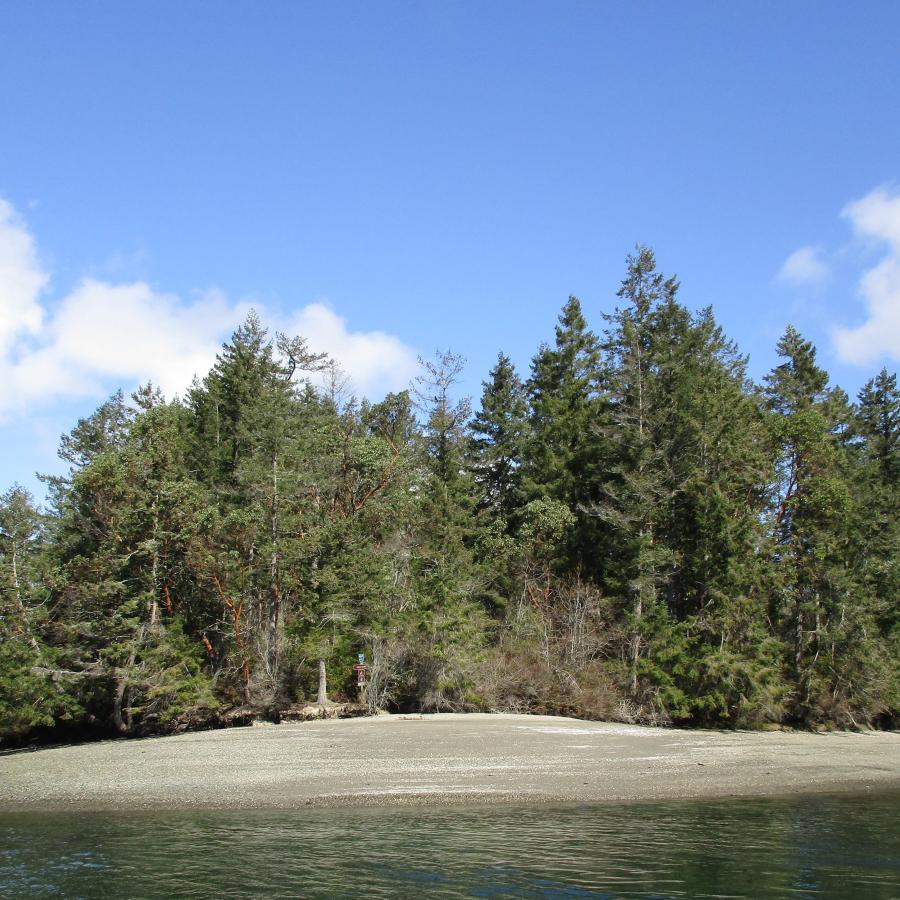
(123, 531)
(448, 585)
(721, 656)
(818, 602)
(660, 538)
(562, 456)
(354, 557)
(498, 431)
(21, 536)
(878, 425)
(876, 529)
(878, 418)
(33, 692)
(636, 497)
(251, 437)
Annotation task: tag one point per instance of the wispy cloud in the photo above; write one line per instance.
(876, 217)
(805, 266)
(103, 334)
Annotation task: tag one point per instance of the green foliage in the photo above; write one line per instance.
(33, 690)
(638, 533)
(562, 459)
(26, 694)
(825, 604)
(498, 435)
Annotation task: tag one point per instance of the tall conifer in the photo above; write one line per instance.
(562, 457)
(498, 435)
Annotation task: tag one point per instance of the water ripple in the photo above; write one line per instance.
(811, 847)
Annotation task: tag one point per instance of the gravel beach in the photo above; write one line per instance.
(441, 758)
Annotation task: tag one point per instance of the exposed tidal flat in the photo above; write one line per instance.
(442, 758)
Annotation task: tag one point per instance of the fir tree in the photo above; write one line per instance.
(498, 434)
(636, 498)
(723, 660)
(251, 437)
(667, 541)
(447, 581)
(33, 691)
(822, 615)
(123, 577)
(562, 456)
(876, 529)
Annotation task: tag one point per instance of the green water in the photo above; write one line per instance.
(801, 847)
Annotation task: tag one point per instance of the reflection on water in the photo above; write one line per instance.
(809, 847)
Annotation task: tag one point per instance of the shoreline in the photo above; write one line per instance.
(442, 759)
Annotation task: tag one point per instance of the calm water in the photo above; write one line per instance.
(810, 847)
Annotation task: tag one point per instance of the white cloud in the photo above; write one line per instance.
(376, 362)
(876, 217)
(123, 334)
(21, 279)
(102, 335)
(804, 267)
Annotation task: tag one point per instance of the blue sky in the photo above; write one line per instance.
(391, 178)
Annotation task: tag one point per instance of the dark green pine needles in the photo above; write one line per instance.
(636, 532)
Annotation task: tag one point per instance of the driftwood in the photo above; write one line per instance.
(240, 716)
(307, 712)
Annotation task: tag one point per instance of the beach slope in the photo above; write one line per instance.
(441, 758)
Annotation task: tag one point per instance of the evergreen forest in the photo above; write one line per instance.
(632, 530)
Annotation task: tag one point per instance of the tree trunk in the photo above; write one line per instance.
(122, 696)
(26, 624)
(323, 685)
(119, 702)
(118, 721)
(636, 644)
(153, 603)
(637, 612)
(274, 611)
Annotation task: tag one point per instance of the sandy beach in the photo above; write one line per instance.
(441, 758)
